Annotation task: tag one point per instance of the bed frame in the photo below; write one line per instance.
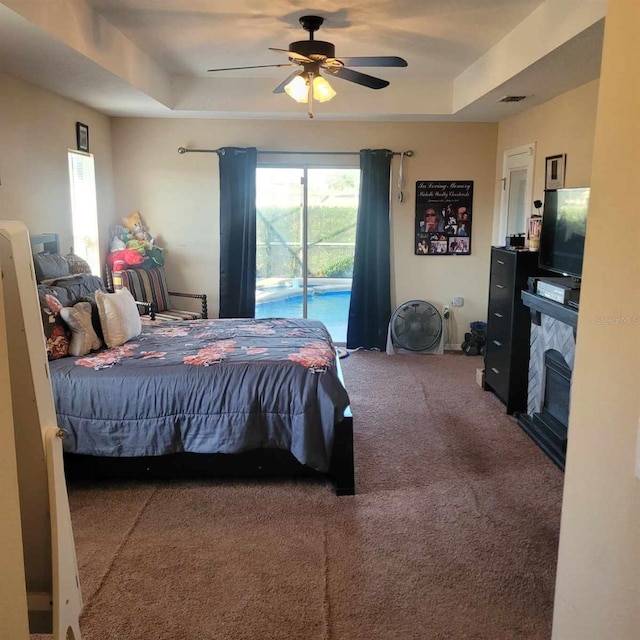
(256, 463)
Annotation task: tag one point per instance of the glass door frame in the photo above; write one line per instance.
(304, 167)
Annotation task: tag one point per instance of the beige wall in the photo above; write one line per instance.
(179, 199)
(565, 124)
(37, 128)
(598, 583)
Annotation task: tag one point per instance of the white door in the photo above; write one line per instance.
(517, 191)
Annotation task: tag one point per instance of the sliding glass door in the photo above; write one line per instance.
(305, 243)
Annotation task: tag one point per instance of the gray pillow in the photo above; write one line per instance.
(83, 337)
(49, 266)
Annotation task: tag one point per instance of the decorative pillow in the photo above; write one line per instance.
(83, 337)
(119, 317)
(49, 266)
(56, 333)
(95, 315)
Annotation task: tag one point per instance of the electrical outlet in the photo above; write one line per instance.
(445, 312)
(458, 302)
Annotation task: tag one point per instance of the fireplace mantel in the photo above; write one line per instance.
(539, 305)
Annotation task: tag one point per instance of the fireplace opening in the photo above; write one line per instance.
(557, 387)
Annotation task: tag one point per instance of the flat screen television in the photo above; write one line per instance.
(564, 226)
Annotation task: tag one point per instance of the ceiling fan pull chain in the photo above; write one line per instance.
(401, 179)
(310, 83)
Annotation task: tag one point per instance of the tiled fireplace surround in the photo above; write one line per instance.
(549, 334)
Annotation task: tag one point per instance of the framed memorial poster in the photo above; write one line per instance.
(444, 211)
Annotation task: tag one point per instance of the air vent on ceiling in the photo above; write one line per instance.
(512, 98)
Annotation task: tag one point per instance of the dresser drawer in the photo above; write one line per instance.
(498, 380)
(497, 359)
(498, 342)
(503, 265)
(500, 294)
(499, 321)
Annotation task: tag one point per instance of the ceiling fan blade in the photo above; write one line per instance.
(286, 81)
(292, 54)
(257, 66)
(372, 61)
(359, 78)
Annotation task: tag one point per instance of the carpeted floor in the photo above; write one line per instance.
(453, 533)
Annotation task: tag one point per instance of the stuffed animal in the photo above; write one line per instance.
(118, 234)
(140, 246)
(130, 240)
(154, 257)
(117, 244)
(119, 260)
(137, 230)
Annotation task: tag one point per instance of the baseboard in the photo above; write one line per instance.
(453, 347)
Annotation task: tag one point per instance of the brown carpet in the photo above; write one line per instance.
(453, 533)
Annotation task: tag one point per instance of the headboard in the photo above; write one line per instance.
(46, 242)
(47, 261)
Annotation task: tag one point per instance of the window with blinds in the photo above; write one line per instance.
(84, 210)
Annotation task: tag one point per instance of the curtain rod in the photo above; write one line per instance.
(409, 153)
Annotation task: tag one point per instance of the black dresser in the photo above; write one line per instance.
(506, 361)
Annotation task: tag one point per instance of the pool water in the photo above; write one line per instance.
(331, 308)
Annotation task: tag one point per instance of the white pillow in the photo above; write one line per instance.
(119, 316)
(83, 336)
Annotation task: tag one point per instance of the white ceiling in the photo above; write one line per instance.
(150, 57)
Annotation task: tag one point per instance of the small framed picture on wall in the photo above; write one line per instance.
(554, 171)
(82, 136)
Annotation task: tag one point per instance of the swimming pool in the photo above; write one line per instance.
(330, 307)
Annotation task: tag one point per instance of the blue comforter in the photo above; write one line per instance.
(207, 386)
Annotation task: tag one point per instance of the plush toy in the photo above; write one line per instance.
(118, 234)
(137, 230)
(123, 258)
(138, 245)
(154, 256)
(117, 244)
(131, 245)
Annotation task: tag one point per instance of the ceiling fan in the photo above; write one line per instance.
(306, 83)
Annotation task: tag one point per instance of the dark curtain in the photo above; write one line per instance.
(237, 232)
(370, 308)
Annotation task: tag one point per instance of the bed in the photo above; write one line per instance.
(241, 397)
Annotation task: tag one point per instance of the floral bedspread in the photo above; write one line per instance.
(207, 386)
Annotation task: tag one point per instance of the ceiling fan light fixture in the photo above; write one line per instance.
(298, 89)
(322, 90)
(307, 85)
